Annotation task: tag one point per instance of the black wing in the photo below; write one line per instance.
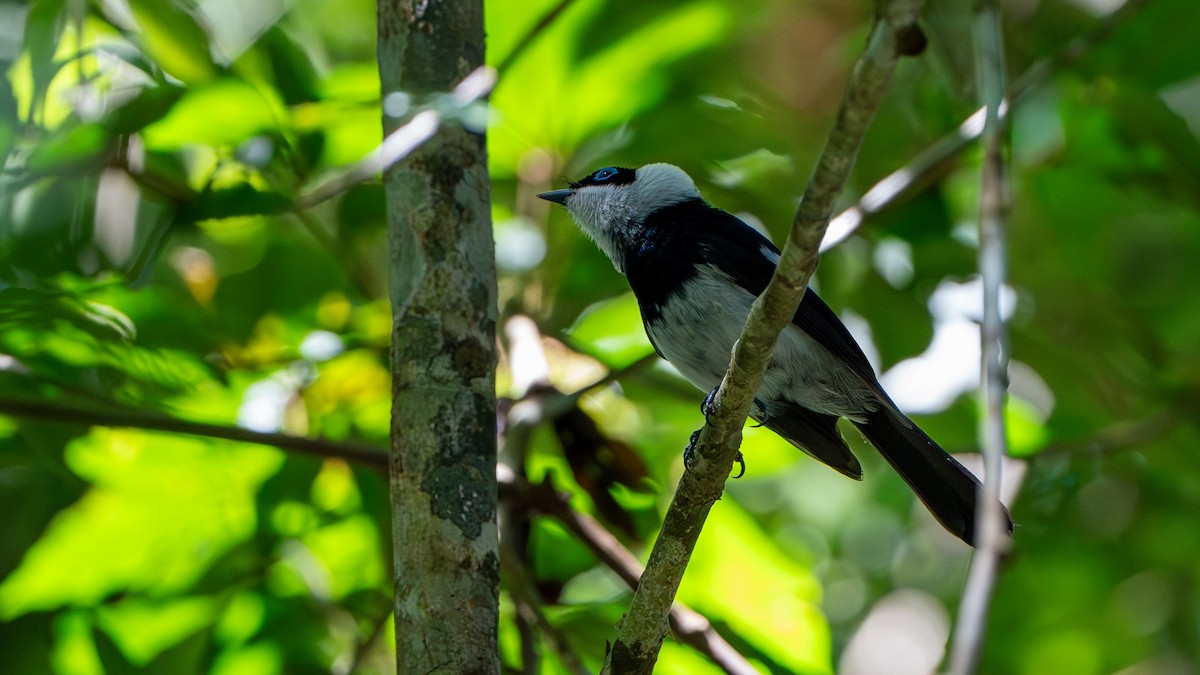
(677, 238)
(739, 248)
(814, 433)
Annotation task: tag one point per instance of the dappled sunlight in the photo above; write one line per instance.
(196, 244)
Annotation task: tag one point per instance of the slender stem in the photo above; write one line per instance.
(520, 498)
(641, 631)
(688, 626)
(530, 37)
(939, 157)
(402, 141)
(49, 410)
(992, 541)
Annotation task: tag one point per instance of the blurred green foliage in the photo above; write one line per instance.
(153, 257)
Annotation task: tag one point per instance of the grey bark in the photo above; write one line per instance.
(443, 290)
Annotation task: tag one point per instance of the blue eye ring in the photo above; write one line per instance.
(604, 174)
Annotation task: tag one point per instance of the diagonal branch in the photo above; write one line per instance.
(405, 139)
(992, 542)
(641, 631)
(687, 625)
(939, 157)
(519, 498)
(532, 35)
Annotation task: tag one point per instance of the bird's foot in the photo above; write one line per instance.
(761, 417)
(710, 399)
(689, 455)
(706, 407)
(709, 402)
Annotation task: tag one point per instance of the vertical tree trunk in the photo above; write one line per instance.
(443, 289)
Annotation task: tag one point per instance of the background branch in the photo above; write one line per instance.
(61, 412)
(641, 631)
(689, 626)
(937, 159)
(519, 498)
(992, 542)
(536, 30)
(402, 141)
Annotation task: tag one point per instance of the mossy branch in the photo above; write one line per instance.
(641, 631)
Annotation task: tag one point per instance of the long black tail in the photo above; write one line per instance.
(947, 489)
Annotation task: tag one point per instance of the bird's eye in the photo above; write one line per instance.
(604, 174)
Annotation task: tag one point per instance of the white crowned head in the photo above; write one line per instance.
(611, 204)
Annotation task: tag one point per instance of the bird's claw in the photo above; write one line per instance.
(689, 456)
(689, 453)
(706, 408)
(710, 400)
(762, 413)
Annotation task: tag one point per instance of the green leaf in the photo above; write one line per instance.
(1027, 433)
(240, 200)
(152, 632)
(168, 503)
(43, 29)
(360, 211)
(223, 112)
(150, 106)
(555, 553)
(174, 39)
(76, 148)
(9, 119)
(42, 310)
(529, 96)
(67, 340)
(776, 604)
(612, 331)
(295, 76)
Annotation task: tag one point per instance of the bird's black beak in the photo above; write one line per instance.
(556, 196)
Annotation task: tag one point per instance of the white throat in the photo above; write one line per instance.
(612, 215)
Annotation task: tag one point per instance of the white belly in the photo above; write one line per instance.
(699, 326)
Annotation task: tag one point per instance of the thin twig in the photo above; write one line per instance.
(398, 145)
(641, 631)
(403, 141)
(365, 646)
(612, 376)
(937, 158)
(992, 542)
(108, 415)
(530, 371)
(49, 410)
(528, 600)
(688, 626)
(542, 402)
(528, 39)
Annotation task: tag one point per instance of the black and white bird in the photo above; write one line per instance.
(696, 270)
